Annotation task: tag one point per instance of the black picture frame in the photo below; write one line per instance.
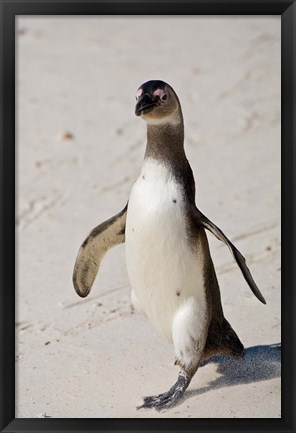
(9, 10)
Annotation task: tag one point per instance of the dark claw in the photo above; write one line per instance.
(154, 397)
(149, 402)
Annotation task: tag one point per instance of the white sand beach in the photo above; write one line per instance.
(80, 149)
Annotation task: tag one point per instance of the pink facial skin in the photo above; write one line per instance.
(139, 93)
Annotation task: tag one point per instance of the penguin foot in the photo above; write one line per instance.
(162, 401)
(167, 399)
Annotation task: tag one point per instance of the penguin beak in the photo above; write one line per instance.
(144, 105)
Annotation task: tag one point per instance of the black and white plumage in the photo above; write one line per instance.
(168, 260)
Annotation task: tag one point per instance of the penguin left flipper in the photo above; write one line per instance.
(240, 260)
(103, 237)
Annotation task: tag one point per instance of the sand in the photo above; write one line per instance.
(80, 149)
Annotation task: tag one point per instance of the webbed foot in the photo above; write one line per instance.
(167, 399)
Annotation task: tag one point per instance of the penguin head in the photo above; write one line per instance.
(157, 102)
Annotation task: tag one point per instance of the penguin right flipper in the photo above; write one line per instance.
(103, 237)
(240, 260)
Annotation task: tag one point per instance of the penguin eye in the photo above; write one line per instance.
(161, 93)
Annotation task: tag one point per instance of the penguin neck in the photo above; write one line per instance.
(165, 142)
(165, 145)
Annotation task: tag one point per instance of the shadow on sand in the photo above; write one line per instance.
(259, 363)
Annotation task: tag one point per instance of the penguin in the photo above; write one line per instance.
(169, 264)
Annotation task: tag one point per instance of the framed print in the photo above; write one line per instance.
(147, 165)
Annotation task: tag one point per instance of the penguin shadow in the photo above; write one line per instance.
(259, 363)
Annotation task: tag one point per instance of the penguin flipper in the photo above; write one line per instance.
(240, 260)
(103, 237)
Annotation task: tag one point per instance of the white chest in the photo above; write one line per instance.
(163, 269)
